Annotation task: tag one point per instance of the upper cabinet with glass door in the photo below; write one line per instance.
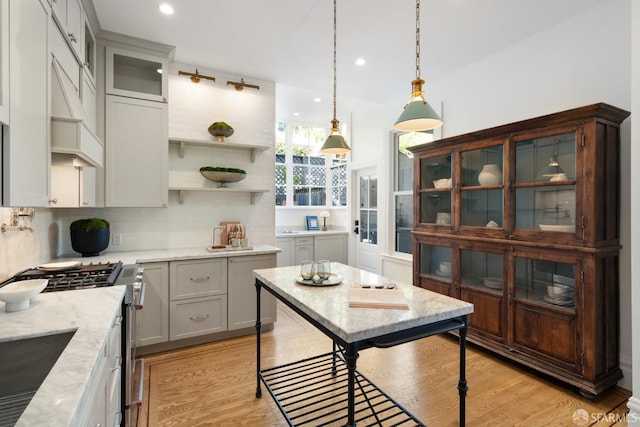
(545, 181)
(136, 75)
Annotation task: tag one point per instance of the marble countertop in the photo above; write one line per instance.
(329, 305)
(174, 254)
(306, 233)
(88, 312)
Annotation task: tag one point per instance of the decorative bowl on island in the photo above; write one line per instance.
(222, 175)
(220, 130)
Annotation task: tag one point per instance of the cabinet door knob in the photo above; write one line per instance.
(53, 201)
(72, 37)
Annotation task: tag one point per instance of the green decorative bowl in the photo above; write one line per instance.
(222, 175)
(220, 130)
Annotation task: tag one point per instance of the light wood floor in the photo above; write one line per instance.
(214, 384)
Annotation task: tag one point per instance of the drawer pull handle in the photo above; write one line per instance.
(199, 279)
(199, 317)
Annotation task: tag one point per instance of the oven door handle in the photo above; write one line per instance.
(140, 295)
(140, 369)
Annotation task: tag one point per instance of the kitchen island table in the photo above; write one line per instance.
(327, 389)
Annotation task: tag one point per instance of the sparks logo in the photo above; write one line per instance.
(580, 417)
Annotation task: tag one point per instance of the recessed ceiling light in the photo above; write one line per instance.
(166, 8)
(296, 114)
(360, 62)
(317, 99)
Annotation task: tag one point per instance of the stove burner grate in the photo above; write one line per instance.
(86, 276)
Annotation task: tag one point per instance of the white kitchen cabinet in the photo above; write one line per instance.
(153, 320)
(104, 401)
(26, 158)
(332, 247)
(69, 15)
(136, 153)
(198, 297)
(242, 292)
(287, 246)
(303, 250)
(4, 64)
(88, 98)
(136, 74)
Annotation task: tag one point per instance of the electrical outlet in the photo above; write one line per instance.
(116, 238)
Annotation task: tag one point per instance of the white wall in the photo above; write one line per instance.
(24, 249)
(192, 108)
(581, 61)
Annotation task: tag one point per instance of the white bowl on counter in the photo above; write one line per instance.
(17, 295)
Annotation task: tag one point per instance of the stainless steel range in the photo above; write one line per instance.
(89, 276)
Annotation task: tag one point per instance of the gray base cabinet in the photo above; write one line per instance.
(242, 292)
(296, 249)
(198, 297)
(153, 320)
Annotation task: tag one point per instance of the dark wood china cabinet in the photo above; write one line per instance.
(522, 220)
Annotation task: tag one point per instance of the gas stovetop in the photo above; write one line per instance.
(84, 276)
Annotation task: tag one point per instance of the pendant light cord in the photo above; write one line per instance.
(334, 59)
(417, 39)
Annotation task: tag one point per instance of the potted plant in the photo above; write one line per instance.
(89, 236)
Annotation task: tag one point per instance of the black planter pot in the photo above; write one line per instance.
(90, 243)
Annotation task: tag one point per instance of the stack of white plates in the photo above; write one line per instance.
(562, 291)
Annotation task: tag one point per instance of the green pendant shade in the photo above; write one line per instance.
(335, 143)
(418, 114)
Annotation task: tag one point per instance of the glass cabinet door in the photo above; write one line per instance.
(546, 281)
(482, 190)
(481, 270)
(136, 75)
(545, 189)
(435, 190)
(435, 261)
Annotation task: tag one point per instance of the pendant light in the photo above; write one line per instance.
(418, 114)
(335, 143)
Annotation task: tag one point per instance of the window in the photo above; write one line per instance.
(302, 174)
(403, 187)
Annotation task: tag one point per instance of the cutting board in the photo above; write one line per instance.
(377, 298)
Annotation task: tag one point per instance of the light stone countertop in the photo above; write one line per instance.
(173, 254)
(88, 312)
(305, 233)
(329, 305)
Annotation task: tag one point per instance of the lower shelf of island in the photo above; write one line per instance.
(254, 192)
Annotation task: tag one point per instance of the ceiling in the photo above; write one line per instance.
(290, 41)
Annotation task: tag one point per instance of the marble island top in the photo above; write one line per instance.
(89, 313)
(329, 305)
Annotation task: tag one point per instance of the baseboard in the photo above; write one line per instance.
(633, 417)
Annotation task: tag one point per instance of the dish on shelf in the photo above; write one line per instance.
(567, 228)
(334, 279)
(442, 183)
(58, 266)
(222, 175)
(564, 280)
(558, 290)
(443, 274)
(565, 302)
(493, 282)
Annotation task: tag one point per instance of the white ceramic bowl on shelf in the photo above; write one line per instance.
(17, 295)
(442, 183)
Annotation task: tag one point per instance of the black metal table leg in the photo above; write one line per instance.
(462, 382)
(258, 328)
(351, 357)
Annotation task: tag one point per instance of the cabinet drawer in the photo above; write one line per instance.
(304, 241)
(198, 278)
(201, 316)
